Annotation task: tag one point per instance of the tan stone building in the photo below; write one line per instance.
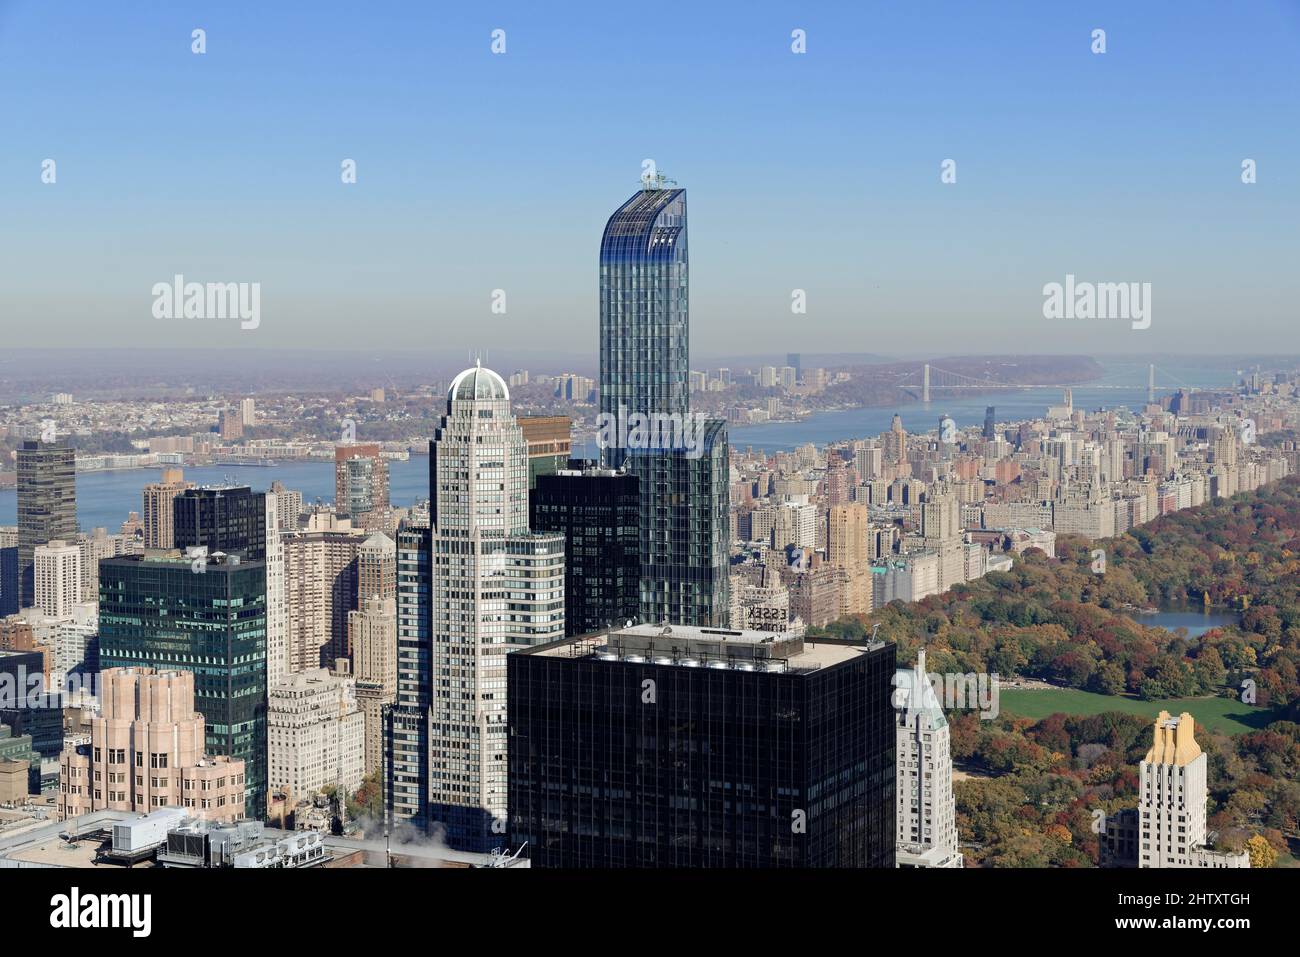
(157, 514)
(146, 752)
(320, 588)
(373, 636)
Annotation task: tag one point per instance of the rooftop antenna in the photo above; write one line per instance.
(657, 181)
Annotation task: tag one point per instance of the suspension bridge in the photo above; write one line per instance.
(920, 381)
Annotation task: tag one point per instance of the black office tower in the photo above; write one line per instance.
(8, 580)
(990, 423)
(229, 519)
(406, 721)
(204, 616)
(47, 505)
(661, 746)
(598, 511)
(29, 707)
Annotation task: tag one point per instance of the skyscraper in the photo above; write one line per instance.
(278, 654)
(8, 579)
(406, 721)
(320, 588)
(221, 518)
(894, 442)
(494, 587)
(57, 578)
(598, 511)
(31, 709)
(361, 484)
(669, 746)
(644, 371)
(288, 506)
(376, 568)
(927, 811)
(372, 635)
(158, 508)
(1172, 789)
(47, 505)
(170, 612)
(550, 440)
(990, 423)
(315, 735)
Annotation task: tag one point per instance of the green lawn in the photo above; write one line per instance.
(1219, 714)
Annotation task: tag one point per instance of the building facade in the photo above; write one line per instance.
(320, 587)
(406, 721)
(494, 587)
(221, 518)
(47, 505)
(673, 746)
(926, 812)
(205, 615)
(147, 751)
(644, 370)
(56, 578)
(315, 735)
(361, 484)
(30, 707)
(1172, 792)
(597, 511)
(157, 512)
(372, 633)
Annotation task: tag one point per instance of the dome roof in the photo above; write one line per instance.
(478, 383)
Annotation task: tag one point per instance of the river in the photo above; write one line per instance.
(104, 499)
(967, 409)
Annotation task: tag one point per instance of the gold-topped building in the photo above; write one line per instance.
(1172, 792)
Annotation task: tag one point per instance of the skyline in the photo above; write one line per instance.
(394, 474)
(809, 182)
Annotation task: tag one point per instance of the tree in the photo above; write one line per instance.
(1261, 852)
(1109, 678)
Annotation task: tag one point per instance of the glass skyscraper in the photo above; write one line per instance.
(47, 505)
(644, 366)
(205, 616)
(222, 518)
(598, 512)
(702, 747)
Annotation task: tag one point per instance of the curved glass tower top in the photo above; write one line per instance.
(645, 305)
(649, 227)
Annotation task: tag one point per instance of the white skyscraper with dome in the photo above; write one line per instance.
(494, 587)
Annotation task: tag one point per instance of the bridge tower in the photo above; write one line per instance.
(925, 385)
(1151, 384)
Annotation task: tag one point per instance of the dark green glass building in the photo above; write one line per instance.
(169, 612)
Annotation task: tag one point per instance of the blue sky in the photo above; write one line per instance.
(817, 171)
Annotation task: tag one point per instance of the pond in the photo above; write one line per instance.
(1194, 618)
